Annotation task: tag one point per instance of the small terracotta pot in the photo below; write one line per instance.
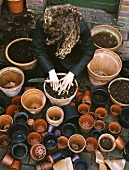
(21, 117)
(126, 151)
(99, 125)
(38, 152)
(68, 129)
(120, 143)
(44, 166)
(83, 108)
(7, 160)
(11, 110)
(54, 157)
(79, 95)
(76, 143)
(86, 123)
(30, 123)
(93, 115)
(15, 165)
(108, 141)
(16, 100)
(3, 105)
(114, 128)
(62, 142)
(34, 138)
(72, 104)
(4, 140)
(115, 110)
(101, 113)
(40, 125)
(91, 144)
(86, 98)
(5, 122)
(55, 115)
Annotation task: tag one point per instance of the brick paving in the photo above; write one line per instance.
(93, 17)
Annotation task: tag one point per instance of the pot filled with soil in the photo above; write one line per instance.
(18, 52)
(99, 68)
(63, 98)
(119, 91)
(126, 151)
(125, 68)
(106, 36)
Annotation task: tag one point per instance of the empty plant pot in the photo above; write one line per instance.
(126, 151)
(106, 142)
(80, 164)
(100, 97)
(93, 115)
(16, 6)
(18, 133)
(96, 134)
(68, 129)
(120, 143)
(86, 98)
(101, 112)
(91, 144)
(40, 125)
(16, 100)
(54, 157)
(99, 125)
(55, 115)
(15, 165)
(76, 143)
(3, 106)
(20, 117)
(62, 142)
(125, 68)
(114, 128)
(11, 81)
(5, 122)
(11, 110)
(7, 160)
(4, 140)
(19, 151)
(99, 70)
(79, 96)
(66, 152)
(38, 152)
(124, 117)
(34, 138)
(33, 100)
(44, 166)
(83, 108)
(115, 110)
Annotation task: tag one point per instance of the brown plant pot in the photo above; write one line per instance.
(83, 108)
(101, 113)
(55, 116)
(79, 96)
(62, 142)
(15, 165)
(93, 115)
(72, 104)
(16, 100)
(30, 123)
(7, 160)
(91, 144)
(4, 140)
(38, 152)
(120, 143)
(115, 110)
(114, 128)
(99, 125)
(11, 110)
(44, 166)
(40, 125)
(15, 6)
(34, 138)
(86, 98)
(5, 122)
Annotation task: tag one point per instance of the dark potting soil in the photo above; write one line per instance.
(99, 98)
(21, 52)
(106, 143)
(105, 40)
(120, 91)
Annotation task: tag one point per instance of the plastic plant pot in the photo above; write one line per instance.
(20, 117)
(3, 106)
(54, 157)
(68, 129)
(124, 118)
(126, 151)
(66, 152)
(51, 128)
(80, 164)
(75, 157)
(125, 68)
(19, 151)
(96, 134)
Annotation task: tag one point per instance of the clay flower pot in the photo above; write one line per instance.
(76, 143)
(55, 115)
(115, 110)
(11, 81)
(62, 142)
(83, 108)
(19, 151)
(30, 123)
(15, 165)
(99, 125)
(44, 166)
(120, 143)
(72, 104)
(16, 100)
(40, 125)
(4, 140)
(68, 129)
(91, 144)
(38, 152)
(3, 106)
(81, 164)
(7, 160)
(54, 157)
(101, 113)
(86, 123)
(16, 6)
(11, 110)
(86, 98)
(106, 142)
(5, 122)
(33, 100)
(34, 138)
(20, 117)
(93, 114)
(114, 128)
(79, 95)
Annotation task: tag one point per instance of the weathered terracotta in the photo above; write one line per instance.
(79, 96)
(7, 160)
(93, 115)
(83, 108)
(16, 100)
(15, 165)
(5, 122)
(115, 110)
(11, 110)
(99, 125)
(101, 113)
(114, 128)
(62, 142)
(120, 143)
(86, 98)
(72, 104)
(30, 123)
(4, 140)
(40, 125)
(44, 166)
(34, 138)
(15, 6)
(91, 144)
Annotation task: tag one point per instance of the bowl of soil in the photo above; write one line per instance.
(106, 36)
(57, 98)
(18, 52)
(119, 91)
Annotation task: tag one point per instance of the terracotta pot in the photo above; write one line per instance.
(86, 98)
(38, 152)
(11, 110)
(16, 100)
(54, 157)
(115, 110)
(79, 95)
(68, 129)
(86, 123)
(72, 104)
(114, 128)
(33, 100)
(81, 164)
(55, 115)
(91, 144)
(21, 117)
(30, 123)
(11, 81)
(99, 70)
(44, 166)
(120, 143)
(125, 68)
(62, 142)
(19, 151)
(4, 140)
(40, 125)
(5, 122)
(7, 160)
(3, 106)
(15, 6)
(83, 108)
(101, 113)
(126, 151)
(93, 115)
(106, 142)
(99, 125)
(15, 165)
(76, 143)
(34, 138)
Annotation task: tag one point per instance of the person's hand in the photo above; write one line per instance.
(54, 81)
(67, 81)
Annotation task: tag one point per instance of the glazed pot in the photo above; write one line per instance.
(11, 81)
(115, 110)
(38, 152)
(91, 144)
(101, 112)
(125, 68)
(55, 115)
(20, 117)
(126, 151)
(54, 157)
(19, 151)
(3, 106)
(44, 166)
(83, 108)
(124, 118)
(40, 125)
(62, 142)
(114, 128)
(33, 100)
(79, 96)
(80, 164)
(4, 140)
(34, 138)
(7, 160)
(15, 165)
(120, 143)
(86, 98)
(99, 125)
(16, 100)
(76, 143)
(106, 142)
(68, 129)
(96, 134)
(11, 110)
(5, 122)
